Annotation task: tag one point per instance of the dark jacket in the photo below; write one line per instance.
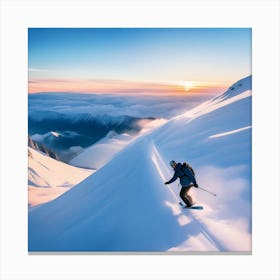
(185, 175)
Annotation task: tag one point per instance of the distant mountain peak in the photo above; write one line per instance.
(238, 87)
(55, 134)
(42, 148)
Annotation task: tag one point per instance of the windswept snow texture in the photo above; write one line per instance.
(125, 206)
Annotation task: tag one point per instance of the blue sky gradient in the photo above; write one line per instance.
(146, 55)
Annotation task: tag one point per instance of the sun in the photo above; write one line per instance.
(187, 85)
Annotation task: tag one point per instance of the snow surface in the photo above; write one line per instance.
(49, 178)
(125, 206)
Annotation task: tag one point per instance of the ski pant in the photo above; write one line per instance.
(185, 196)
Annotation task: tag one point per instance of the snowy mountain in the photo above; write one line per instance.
(125, 206)
(41, 148)
(62, 133)
(101, 152)
(104, 150)
(48, 178)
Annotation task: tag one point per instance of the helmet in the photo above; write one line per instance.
(172, 162)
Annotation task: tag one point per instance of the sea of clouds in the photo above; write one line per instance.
(80, 120)
(113, 105)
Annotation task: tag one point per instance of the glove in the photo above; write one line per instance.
(195, 185)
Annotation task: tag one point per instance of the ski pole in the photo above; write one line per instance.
(207, 191)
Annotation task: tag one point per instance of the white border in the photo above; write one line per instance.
(17, 16)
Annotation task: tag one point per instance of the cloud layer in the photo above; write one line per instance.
(63, 120)
(74, 105)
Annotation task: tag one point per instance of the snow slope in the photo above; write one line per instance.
(49, 178)
(124, 206)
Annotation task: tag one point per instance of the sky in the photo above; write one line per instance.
(137, 61)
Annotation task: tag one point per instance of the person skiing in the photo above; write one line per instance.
(187, 180)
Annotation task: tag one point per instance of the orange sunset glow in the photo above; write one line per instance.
(122, 87)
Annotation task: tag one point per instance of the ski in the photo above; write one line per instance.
(197, 207)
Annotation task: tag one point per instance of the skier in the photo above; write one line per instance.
(187, 180)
